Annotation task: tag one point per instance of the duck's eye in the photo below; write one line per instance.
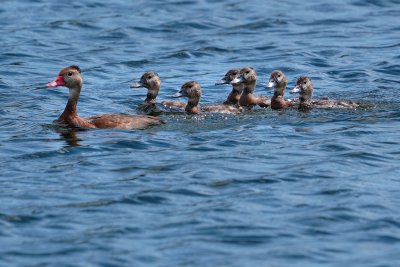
(279, 75)
(304, 82)
(247, 72)
(70, 73)
(150, 77)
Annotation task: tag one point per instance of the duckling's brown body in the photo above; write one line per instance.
(248, 78)
(192, 90)
(278, 81)
(305, 88)
(221, 108)
(278, 102)
(237, 89)
(152, 82)
(248, 99)
(71, 77)
(173, 104)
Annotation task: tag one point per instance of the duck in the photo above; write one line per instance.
(248, 77)
(150, 80)
(71, 78)
(277, 80)
(192, 90)
(305, 88)
(237, 89)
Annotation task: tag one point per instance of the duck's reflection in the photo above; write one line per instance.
(70, 137)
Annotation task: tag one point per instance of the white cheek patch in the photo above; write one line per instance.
(177, 94)
(237, 80)
(295, 90)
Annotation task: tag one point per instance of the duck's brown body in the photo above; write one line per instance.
(71, 77)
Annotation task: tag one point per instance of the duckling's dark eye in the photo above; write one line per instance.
(70, 73)
(150, 77)
(247, 72)
(279, 75)
(304, 82)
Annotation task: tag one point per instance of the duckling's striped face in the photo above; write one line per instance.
(246, 75)
(303, 86)
(149, 80)
(229, 76)
(190, 89)
(277, 78)
(249, 74)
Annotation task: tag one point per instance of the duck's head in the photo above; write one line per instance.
(304, 87)
(149, 80)
(190, 89)
(247, 75)
(276, 79)
(229, 76)
(69, 77)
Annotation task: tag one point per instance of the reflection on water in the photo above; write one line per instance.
(70, 137)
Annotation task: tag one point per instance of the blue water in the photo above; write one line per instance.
(264, 188)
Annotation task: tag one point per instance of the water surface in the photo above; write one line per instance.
(265, 188)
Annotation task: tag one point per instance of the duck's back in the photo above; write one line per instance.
(279, 102)
(251, 100)
(106, 121)
(328, 103)
(173, 104)
(225, 109)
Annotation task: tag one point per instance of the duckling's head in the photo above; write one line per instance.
(229, 76)
(304, 87)
(149, 80)
(277, 79)
(246, 76)
(190, 89)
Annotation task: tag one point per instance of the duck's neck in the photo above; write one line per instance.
(152, 95)
(70, 108)
(279, 90)
(305, 96)
(150, 99)
(304, 99)
(234, 96)
(249, 87)
(193, 105)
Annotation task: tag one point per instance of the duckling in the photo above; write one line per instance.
(150, 80)
(237, 89)
(192, 90)
(278, 81)
(248, 77)
(305, 88)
